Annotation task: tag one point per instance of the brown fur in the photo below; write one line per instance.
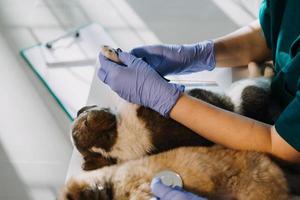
(95, 161)
(94, 129)
(213, 172)
(258, 98)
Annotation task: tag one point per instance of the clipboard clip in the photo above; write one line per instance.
(49, 45)
(57, 51)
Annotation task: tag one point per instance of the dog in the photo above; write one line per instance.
(130, 139)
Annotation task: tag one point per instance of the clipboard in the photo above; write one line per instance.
(67, 64)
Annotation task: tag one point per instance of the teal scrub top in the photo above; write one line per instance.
(280, 22)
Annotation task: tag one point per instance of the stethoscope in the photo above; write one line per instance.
(169, 178)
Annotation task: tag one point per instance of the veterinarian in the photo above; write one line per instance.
(275, 36)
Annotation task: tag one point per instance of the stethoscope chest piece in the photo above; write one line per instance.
(169, 178)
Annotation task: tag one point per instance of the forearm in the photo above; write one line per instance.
(222, 127)
(242, 46)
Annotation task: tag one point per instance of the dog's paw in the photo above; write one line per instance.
(82, 190)
(91, 165)
(96, 161)
(111, 54)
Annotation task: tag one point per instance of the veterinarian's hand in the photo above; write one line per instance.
(178, 59)
(164, 192)
(137, 82)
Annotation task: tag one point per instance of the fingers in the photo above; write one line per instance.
(140, 51)
(164, 192)
(127, 58)
(102, 74)
(103, 60)
(158, 188)
(144, 51)
(154, 56)
(107, 68)
(107, 64)
(154, 182)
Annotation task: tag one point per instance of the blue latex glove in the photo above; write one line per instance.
(164, 192)
(137, 82)
(178, 59)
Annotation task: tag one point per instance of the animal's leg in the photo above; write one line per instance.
(254, 70)
(95, 161)
(141, 193)
(269, 73)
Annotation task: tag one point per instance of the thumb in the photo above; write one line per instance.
(164, 192)
(159, 189)
(108, 69)
(127, 58)
(140, 52)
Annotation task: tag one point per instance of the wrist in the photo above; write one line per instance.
(175, 93)
(205, 55)
(177, 106)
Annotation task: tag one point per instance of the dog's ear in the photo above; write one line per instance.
(84, 109)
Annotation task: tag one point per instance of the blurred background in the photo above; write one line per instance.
(35, 146)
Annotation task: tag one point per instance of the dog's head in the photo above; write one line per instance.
(94, 127)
